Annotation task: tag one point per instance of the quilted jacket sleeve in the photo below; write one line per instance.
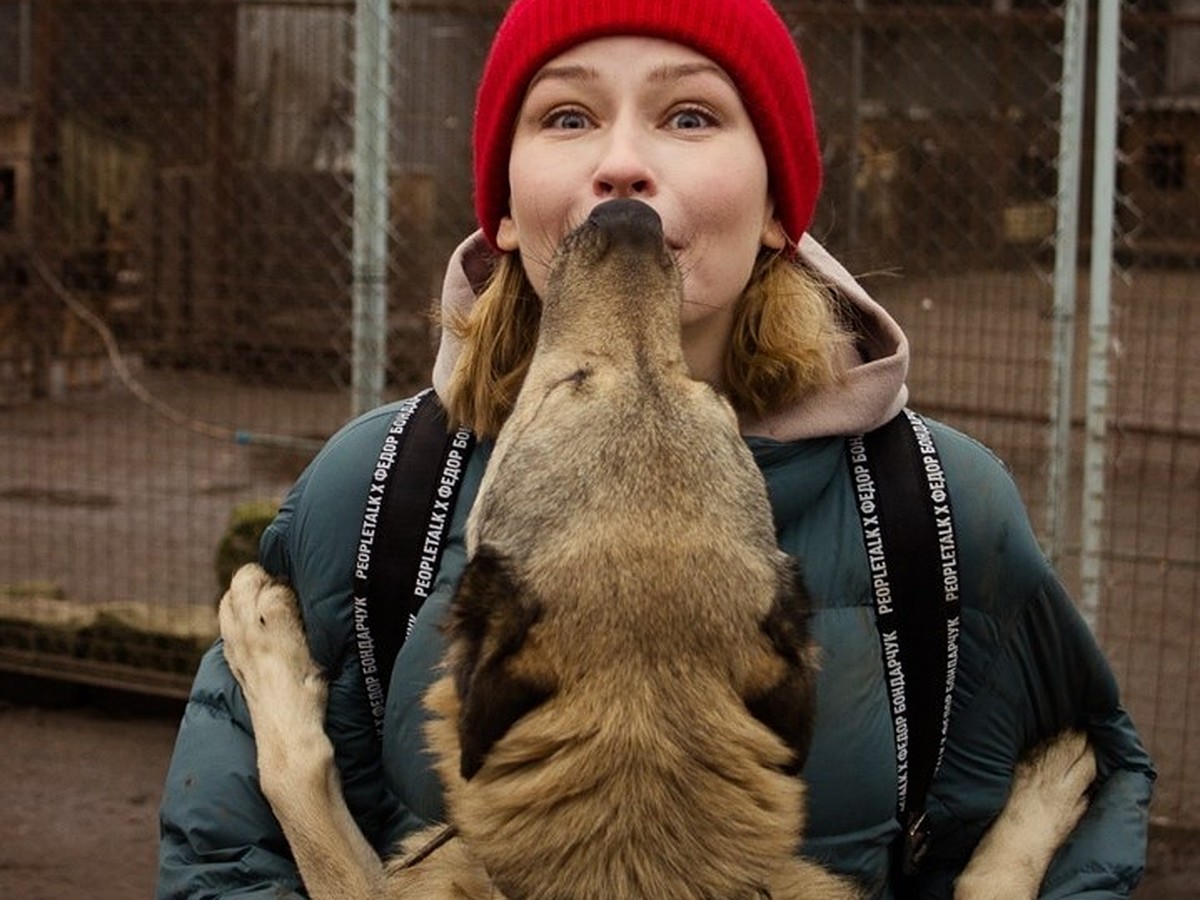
(218, 836)
(1030, 667)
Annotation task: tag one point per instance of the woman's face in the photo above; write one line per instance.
(657, 121)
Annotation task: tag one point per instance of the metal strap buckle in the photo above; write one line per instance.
(916, 844)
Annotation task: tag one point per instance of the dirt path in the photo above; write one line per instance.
(79, 793)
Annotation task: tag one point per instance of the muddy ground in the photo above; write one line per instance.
(80, 786)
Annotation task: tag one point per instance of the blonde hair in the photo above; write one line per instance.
(788, 335)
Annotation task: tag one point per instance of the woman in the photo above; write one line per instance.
(700, 109)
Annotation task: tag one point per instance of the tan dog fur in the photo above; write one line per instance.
(628, 687)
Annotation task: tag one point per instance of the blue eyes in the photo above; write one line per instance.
(687, 119)
(568, 120)
(692, 118)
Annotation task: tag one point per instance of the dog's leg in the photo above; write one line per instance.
(1049, 796)
(266, 649)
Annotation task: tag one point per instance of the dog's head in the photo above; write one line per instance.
(629, 681)
(505, 662)
(620, 246)
(570, 778)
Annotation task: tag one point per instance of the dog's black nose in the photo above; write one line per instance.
(631, 219)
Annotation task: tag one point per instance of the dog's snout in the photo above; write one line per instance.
(629, 220)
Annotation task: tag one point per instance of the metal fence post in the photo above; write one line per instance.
(372, 33)
(1066, 253)
(1108, 37)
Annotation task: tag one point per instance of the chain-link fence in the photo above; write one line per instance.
(187, 285)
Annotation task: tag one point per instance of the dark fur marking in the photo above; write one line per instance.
(784, 707)
(491, 623)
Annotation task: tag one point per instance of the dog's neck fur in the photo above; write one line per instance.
(621, 855)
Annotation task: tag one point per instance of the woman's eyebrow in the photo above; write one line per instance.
(662, 74)
(671, 72)
(563, 73)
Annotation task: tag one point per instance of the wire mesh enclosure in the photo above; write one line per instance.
(184, 259)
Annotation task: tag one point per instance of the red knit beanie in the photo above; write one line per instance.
(746, 38)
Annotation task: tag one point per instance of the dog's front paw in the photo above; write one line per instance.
(1049, 796)
(1051, 785)
(264, 644)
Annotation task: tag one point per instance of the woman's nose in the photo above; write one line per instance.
(624, 169)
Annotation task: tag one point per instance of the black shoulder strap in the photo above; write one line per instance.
(908, 528)
(410, 503)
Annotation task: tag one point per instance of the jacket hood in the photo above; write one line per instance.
(872, 391)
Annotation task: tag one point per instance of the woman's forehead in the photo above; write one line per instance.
(659, 58)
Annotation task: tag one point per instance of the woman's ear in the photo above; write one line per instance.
(506, 235)
(773, 235)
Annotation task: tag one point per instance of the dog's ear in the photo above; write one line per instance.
(788, 705)
(490, 619)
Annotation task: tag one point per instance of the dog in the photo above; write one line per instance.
(627, 694)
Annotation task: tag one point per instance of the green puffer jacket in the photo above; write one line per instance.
(1028, 666)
